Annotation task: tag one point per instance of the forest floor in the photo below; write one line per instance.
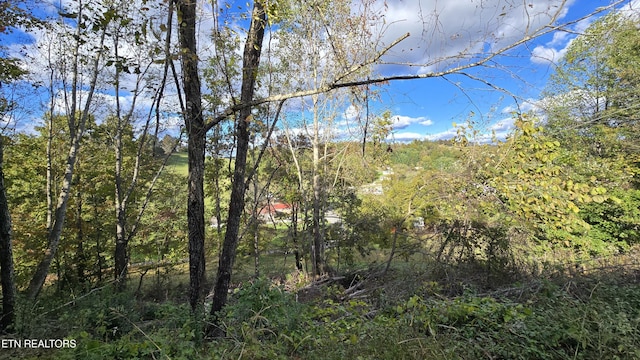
(417, 309)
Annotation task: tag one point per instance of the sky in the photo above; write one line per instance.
(428, 108)
(443, 34)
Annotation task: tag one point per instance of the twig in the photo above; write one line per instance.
(79, 298)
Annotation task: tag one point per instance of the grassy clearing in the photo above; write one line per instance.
(178, 163)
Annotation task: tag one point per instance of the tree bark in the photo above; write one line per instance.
(317, 245)
(53, 237)
(121, 255)
(251, 61)
(196, 131)
(76, 131)
(80, 258)
(6, 256)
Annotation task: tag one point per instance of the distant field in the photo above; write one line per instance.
(178, 163)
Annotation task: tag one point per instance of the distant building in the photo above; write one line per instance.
(373, 189)
(332, 217)
(274, 210)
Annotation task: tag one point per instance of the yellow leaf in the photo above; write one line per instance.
(573, 207)
(615, 200)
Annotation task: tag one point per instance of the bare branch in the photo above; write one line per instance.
(339, 83)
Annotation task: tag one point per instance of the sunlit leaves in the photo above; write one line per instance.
(529, 175)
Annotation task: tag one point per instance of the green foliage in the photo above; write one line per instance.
(424, 154)
(486, 247)
(24, 180)
(464, 313)
(126, 330)
(531, 182)
(533, 185)
(86, 249)
(552, 326)
(592, 100)
(265, 319)
(615, 222)
(581, 319)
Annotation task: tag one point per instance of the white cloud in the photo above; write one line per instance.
(555, 49)
(351, 113)
(501, 129)
(443, 135)
(529, 105)
(445, 33)
(542, 54)
(401, 121)
(496, 131)
(406, 136)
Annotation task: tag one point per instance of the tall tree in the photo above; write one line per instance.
(250, 65)
(134, 67)
(594, 93)
(6, 254)
(77, 116)
(332, 41)
(196, 142)
(12, 15)
(591, 103)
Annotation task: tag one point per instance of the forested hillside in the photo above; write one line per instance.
(248, 198)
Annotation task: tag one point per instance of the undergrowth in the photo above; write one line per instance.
(578, 318)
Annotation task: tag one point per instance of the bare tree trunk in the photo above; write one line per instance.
(251, 61)
(53, 237)
(121, 252)
(396, 231)
(194, 124)
(255, 224)
(317, 246)
(6, 255)
(295, 209)
(49, 185)
(80, 257)
(76, 131)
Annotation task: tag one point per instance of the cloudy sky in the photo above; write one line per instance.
(441, 30)
(443, 35)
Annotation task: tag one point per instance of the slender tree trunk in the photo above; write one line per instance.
(121, 254)
(98, 252)
(6, 256)
(317, 246)
(194, 124)
(295, 209)
(80, 257)
(195, 212)
(76, 131)
(251, 61)
(49, 185)
(256, 249)
(396, 231)
(256, 227)
(53, 237)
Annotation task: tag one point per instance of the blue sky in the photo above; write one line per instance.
(444, 34)
(427, 108)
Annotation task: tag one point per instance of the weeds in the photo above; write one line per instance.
(409, 314)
